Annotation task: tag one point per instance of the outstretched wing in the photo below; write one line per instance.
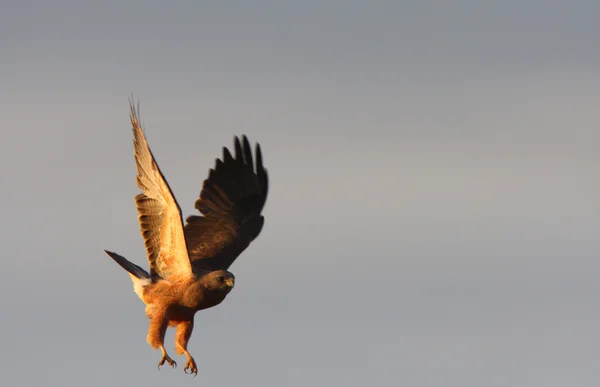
(231, 202)
(158, 213)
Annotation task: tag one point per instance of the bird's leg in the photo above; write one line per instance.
(182, 336)
(156, 335)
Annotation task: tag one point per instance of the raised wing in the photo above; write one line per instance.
(159, 214)
(231, 202)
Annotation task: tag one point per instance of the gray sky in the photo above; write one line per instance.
(433, 216)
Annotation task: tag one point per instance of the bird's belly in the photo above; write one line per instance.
(179, 313)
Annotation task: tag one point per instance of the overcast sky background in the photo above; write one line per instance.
(433, 216)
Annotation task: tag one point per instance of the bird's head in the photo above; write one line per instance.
(219, 280)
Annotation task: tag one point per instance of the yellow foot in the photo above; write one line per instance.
(168, 359)
(191, 366)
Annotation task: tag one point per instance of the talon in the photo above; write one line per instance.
(166, 358)
(191, 365)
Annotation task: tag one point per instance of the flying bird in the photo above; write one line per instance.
(189, 263)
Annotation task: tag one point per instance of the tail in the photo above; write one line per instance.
(132, 268)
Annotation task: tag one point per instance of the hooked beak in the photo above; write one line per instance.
(229, 282)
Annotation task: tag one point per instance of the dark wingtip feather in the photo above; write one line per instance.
(262, 175)
(218, 165)
(211, 174)
(259, 162)
(247, 151)
(239, 156)
(227, 158)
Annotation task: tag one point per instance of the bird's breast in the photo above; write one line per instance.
(193, 296)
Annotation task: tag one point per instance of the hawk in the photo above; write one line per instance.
(189, 263)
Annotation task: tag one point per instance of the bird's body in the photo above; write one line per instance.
(183, 298)
(188, 265)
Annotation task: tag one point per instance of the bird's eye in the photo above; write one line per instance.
(221, 279)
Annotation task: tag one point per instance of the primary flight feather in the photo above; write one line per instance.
(188, 264)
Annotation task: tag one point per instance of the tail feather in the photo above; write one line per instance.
(132, 268)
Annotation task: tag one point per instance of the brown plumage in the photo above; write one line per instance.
(188, 265)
